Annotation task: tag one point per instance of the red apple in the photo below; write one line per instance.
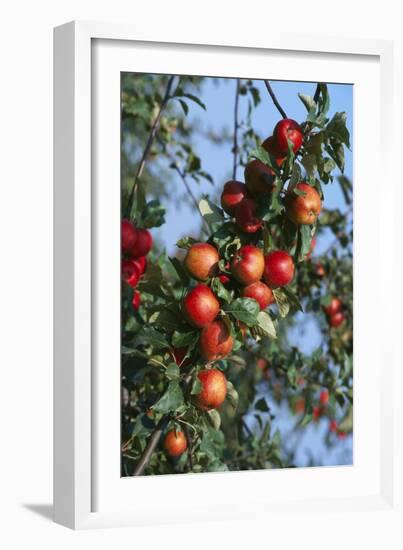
(245, 216)
(278, 269)
(141, 263)
(234, 192)
(175, 443)
(214, 389)
(333, 307)
(130, 272)
(271, 146)
(201, 306)
(247, 265)
(215, 341)
(136, 300)
(259, 292)
(288, 129)
(303, 209)
(333, 426)
(201, 261)
(259, 178)
(320, 270)
(143, 244)
(128, 235)
(324, 397)
(336, 319)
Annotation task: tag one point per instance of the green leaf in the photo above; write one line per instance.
(232, 394)
(180, 270)
(261, 405)
(293, 300)
(220, 290)
(210, 212)
(195, 99)
(310, 164)
(186, 242)
(292, 375)
(245, 310)
(296, 177)
(346, 188)
(172, 372)
(281, 301)
(184, 106)
(171, 400)
(214, 418)
(337, 129)
(196, 386)
(183, 339)
(149, 335)
(308, 102)
(153, 215)
(305, 239)
(265, 325)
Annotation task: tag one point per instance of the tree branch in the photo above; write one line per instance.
(189, 443)
(236, 126)
(149, 143)
(275, 100)
(151, 445)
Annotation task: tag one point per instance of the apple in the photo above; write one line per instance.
(333, 426)
(201, 306)
(320, 270)
(259, 292)
(234, 192)
(201, 261)
(336, 319)
(259, 178)
(143, 244)
(299, 405)
(141, 263)
(324, 397)
(130, 272)
(271, 146)
(245, 216)
(247, 265)
(216, 341)
(316, 412)
(214, 389)
(333, 307)
(278, 268)
(303, 209)
(287, 129)
(136, 300)
(175, 443)
(128, 235)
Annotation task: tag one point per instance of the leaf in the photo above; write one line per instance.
(337, 129)
(346, 187)
(214, 418)
(184, 106)
(166, 319)
(180, 271)
(261, 405)
(296, 177)
(265, 325)
(220, 290)
(304, 241)
(186, 242)
(309, 162)
(148, 335)
(183, 339)
(171, 400)
(196, 386)
(281, 301)
(292, 375)
(293, 299)
(195, 99)
(210, 212)
(245, 310)
(153, 215)
(232, 394)
(172, 372)
(308, 102)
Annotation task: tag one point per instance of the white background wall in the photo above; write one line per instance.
(26, 257)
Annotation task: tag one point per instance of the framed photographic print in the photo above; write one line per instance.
(217, 262)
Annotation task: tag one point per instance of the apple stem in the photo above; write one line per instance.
(275, 100)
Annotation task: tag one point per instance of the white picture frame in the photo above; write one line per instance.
(88, 490)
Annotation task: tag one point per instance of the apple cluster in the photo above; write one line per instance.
(334, 314)
(136, 243)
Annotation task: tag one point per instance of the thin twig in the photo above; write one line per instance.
(189, 443)
(275, 100)
(151, 445)
(236, 126)
(149, 143)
